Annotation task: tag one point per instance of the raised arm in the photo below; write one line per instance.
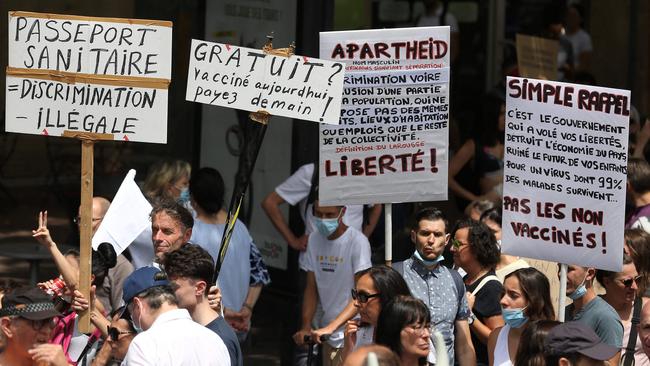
(42, 235)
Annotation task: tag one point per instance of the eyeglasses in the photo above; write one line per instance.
(39, 324)
(457, 244)
(77, 219)
(419, 330)
(362, 297)
(628, 281)
(114, 333)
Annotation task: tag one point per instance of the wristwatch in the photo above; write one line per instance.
(471, 318)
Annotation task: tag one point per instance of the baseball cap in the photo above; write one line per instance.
(142, 279)
(28, 302)
(576, 337)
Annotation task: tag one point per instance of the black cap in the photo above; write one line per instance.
(28, 302)
(576, 337)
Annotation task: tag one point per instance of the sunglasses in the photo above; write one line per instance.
(37, 325)
(629, 281)
(457, 243)
(114, 333)
(362, 297)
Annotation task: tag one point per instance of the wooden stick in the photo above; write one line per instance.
(85, 229)
(388, 234)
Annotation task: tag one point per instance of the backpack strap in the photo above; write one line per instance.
(483, 282)
(458, 283)
(628, 357)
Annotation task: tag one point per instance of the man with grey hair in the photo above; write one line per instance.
(167, 335)
(171, 227)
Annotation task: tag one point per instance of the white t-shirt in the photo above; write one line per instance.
(175, 339)
(581, 42)
(296, 190)
(334, 263)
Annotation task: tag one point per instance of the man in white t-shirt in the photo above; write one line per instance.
(296, 190)
(335, 255)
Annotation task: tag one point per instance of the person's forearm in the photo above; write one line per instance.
(308, 307)
(70, 274)
(348, 313)
(373, 218)
(252, 296)
(460, 191)
(103, 355)
(481, 331)
(100, 321)
(275, 215)
(466, 357)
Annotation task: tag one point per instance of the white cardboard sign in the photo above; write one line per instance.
(565, 172)
(249, 79)
(392, 142)
(88, 74)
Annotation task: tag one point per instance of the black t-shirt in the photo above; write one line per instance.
(229, 337)
(486, 304)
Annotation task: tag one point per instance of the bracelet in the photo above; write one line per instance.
(249, 307)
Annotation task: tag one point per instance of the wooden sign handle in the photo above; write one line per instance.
(85, 229)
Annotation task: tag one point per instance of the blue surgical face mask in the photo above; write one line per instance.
(327, 226)
(185, 195)
(580, 291)
(428, 262)
(515, 318)
(137, 326)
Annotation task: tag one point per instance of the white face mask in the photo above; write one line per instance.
(137, 326)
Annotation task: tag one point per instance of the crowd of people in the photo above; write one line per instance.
(456, 300)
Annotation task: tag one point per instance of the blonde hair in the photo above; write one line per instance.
(162, 173)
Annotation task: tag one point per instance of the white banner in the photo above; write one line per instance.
(88, 74)
(89, 45)
(565, 172)
(392, 143)
(49, 107)
(249, 79)
(126, 218)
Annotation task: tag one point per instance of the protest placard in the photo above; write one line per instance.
(392, 143)
(88, 74)
(537, 57)
(252, 80)
(565, 172)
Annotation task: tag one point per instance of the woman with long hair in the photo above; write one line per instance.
(526, 298)
(475, 250)
(168, 179)
(404, 326)
(531, 345)
(622, 294)
(637, 246)
(375, 287)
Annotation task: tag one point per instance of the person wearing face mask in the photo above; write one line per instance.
(526, 298)
(591, 309)
(335, 256)
(442, 289)
(167, 335)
